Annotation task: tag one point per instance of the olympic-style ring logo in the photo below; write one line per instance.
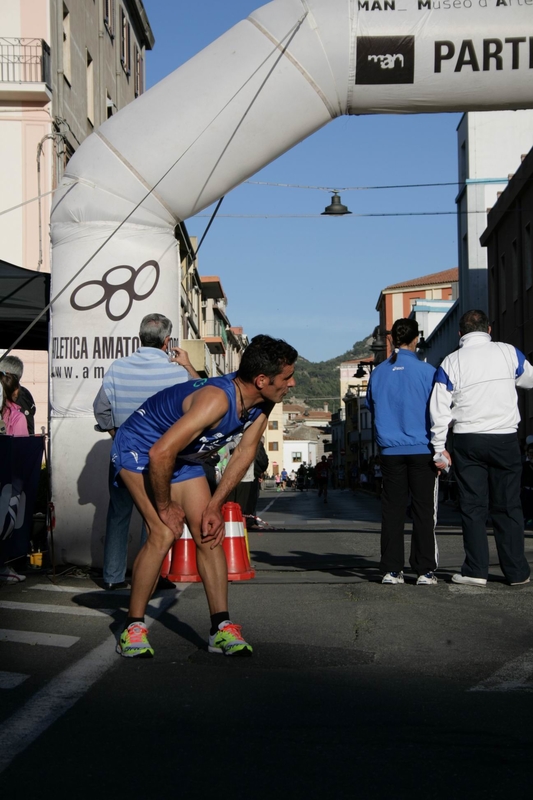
(118, 297)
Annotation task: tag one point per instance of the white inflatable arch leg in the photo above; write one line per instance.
(265, 85)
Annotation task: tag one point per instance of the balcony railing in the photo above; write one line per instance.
(24, 61)
(215, 330)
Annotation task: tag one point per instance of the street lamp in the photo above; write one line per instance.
(379, 345)
(361, 372)
(351, 396)
(335, 208)
(421, 346)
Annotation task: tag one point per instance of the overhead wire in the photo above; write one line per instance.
(354, 188)
(353, 215)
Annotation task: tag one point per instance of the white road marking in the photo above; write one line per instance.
(54, 587)
(264, 510)
(513, 676)
(34, 637)
(10, 680)
(75, 611)
(62, 692)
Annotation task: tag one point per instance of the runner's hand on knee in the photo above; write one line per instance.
(213, 527)
(174, 518)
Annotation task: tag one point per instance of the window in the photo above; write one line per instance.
(90, 89)
(296, 457)
(273, 426)
(109, 17)
(528, 257)
(125, 33)
(67, 73)
(273, 446)
(138, 76)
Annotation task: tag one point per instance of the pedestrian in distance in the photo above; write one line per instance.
(128, 382)
(322, 477)
(475, 394)
(301, 477)
(398, 395)
(158, 452)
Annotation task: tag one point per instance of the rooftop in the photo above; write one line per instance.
(446, 276)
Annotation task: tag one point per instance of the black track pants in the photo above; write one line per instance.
(488, 469)
(404, 475)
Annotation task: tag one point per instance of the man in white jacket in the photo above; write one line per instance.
(475, 393)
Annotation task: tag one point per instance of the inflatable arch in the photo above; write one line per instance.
(254, 93)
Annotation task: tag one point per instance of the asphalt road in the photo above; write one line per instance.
(355, 689)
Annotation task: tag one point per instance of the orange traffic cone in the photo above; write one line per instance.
(239, 567)
(183, 567)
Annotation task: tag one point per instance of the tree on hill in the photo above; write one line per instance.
(318, 382)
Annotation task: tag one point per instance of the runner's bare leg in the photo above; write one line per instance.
(147, 566)
(194, 496)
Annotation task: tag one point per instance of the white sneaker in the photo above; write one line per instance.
(429, 579)
(468, 581)
(520, 583)
(393, 577)
(8, 575)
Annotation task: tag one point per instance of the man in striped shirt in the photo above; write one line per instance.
(127, 384)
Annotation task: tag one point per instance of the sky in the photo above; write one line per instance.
(315, 281)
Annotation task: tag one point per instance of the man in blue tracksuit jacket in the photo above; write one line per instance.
(398, 396)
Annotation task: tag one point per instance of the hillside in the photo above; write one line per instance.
(318, 382)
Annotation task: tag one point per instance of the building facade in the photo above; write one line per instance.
(509, 242)
(401, 299)
(490, 144)
(65, 67)
(274, 440)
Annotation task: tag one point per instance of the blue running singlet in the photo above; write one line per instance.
(149, 422)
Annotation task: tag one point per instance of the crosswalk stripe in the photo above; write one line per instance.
(63, 691)
(75, 611)
(10, 680)
(54, 587)
(34, 637)
(512, 676)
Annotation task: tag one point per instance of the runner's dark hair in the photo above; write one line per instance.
(265, 356)
(403, 332)
(473, 320)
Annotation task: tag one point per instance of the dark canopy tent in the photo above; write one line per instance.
(23, 295)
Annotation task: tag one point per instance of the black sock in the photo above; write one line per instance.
(129, 620)
(216, 619)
